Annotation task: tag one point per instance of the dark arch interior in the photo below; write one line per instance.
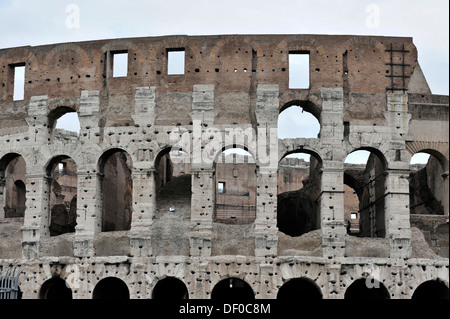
(431, 290)
(111, 288)
(117, 190)
(232, 289)
(299, 288)
(55, 288)
(363, 289)
(298, 210)
(170, 288)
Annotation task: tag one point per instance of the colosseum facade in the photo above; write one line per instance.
(144, 202)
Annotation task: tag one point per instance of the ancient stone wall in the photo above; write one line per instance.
(142, 219)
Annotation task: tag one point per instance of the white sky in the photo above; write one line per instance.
(33, 22)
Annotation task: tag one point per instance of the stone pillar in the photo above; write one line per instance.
(89, 115)
(203, 187)
(144, 106)
(2, 196)
(266, 231)
(331, 205)
(445, 191)
(144, 207)
(202, 210)
(331, 199)
(397, 219)
(332, 116)
(37, 120)
(89, 214)
(37, 215)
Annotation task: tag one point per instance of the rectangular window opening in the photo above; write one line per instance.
(120, 64)
(175, 61)
(19, 81)
(221, 188)
(299, 70)
(354, 216)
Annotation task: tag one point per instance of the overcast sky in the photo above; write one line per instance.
(33, 22)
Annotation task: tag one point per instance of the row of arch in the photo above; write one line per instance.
(115, 169)
(172, 288)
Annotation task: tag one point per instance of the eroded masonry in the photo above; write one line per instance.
(151, 199)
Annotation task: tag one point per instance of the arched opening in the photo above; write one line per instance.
(364, 289)
(173, 182)
(19, 192)
(295, 122)
(63, 185)
(299, 186)
(116, 190)
(431, 290)
(12, 186)
(299, 289)
(170, 288)
(232, 289)
(64, 124)
(111, 288)
(235, 187)
(173, 191)
(365, 176)
(55, 288)
(428, 184)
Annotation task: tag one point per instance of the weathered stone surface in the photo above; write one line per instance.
(146, 178)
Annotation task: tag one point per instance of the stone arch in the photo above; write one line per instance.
(64, 48)
(170, 288)
(298, 211)
(365, 289)
(287, 120)
(232, 289)
(55, 288)
(62, 188)
(431, 290)
(235, 186)
(111, 288)
(428, 185)
(115, 168)
(370, 182)
(440, 150)
(299, 43)
(57, 112)
(299, 289)
(306, 105)
(12, 185)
